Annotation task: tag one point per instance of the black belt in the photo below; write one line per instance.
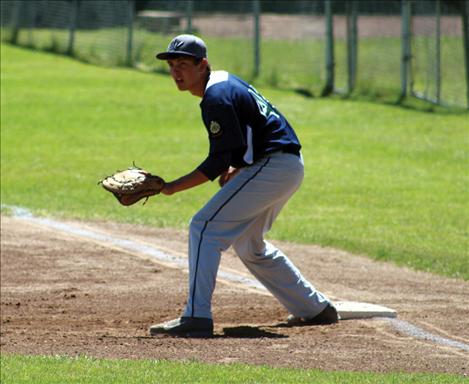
(292, 151)
(289, 150)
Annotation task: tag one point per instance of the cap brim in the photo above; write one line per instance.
(172, 55)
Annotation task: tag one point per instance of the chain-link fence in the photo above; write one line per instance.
(383, 49)
(437, 47)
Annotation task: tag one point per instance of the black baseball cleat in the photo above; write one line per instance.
(184, 327)
(328, 315)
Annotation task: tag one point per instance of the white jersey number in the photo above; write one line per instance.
(265, 108)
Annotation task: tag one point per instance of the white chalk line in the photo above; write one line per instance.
(419, 333)
(179, 262)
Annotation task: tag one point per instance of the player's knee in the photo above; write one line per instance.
(196, 225)
(202, 216)
(249, 252)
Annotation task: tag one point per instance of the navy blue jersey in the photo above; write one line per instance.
(242, 125)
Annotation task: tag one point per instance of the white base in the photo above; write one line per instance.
(356, 310)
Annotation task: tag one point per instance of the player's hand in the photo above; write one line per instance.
(227, 176)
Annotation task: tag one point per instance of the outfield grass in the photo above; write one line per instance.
(49, 370)
(383, 181)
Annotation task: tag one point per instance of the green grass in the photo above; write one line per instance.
(48, 370)
(380, 180)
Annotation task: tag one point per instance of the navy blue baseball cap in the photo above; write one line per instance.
(184, 45)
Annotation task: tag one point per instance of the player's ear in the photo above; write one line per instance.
(203, 65)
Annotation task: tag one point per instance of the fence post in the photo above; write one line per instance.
(438, 50)
(405, 47)
(256, 8)
(352, 43)
(465, 33)
(17, 10)
(189, 12)
(31, 17)
(329, 86)
(72, 26)
(130, 24)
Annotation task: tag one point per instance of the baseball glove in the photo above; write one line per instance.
(132, 185)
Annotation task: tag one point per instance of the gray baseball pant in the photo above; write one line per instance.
(239, 215)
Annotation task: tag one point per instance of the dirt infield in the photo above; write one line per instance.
(61, 294)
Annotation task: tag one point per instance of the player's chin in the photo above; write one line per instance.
(181, 85)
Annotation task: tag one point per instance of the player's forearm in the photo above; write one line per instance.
(188, 181)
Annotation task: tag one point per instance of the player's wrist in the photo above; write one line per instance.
(168, 189)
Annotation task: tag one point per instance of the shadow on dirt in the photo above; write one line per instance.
(249, 332)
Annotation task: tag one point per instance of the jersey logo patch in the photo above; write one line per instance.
(215, 129)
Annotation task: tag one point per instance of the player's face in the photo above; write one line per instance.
(187, 75)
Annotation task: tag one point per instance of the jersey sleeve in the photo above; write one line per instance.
(215, 164)
(223, 127)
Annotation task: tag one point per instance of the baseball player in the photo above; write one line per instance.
(255, 154)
